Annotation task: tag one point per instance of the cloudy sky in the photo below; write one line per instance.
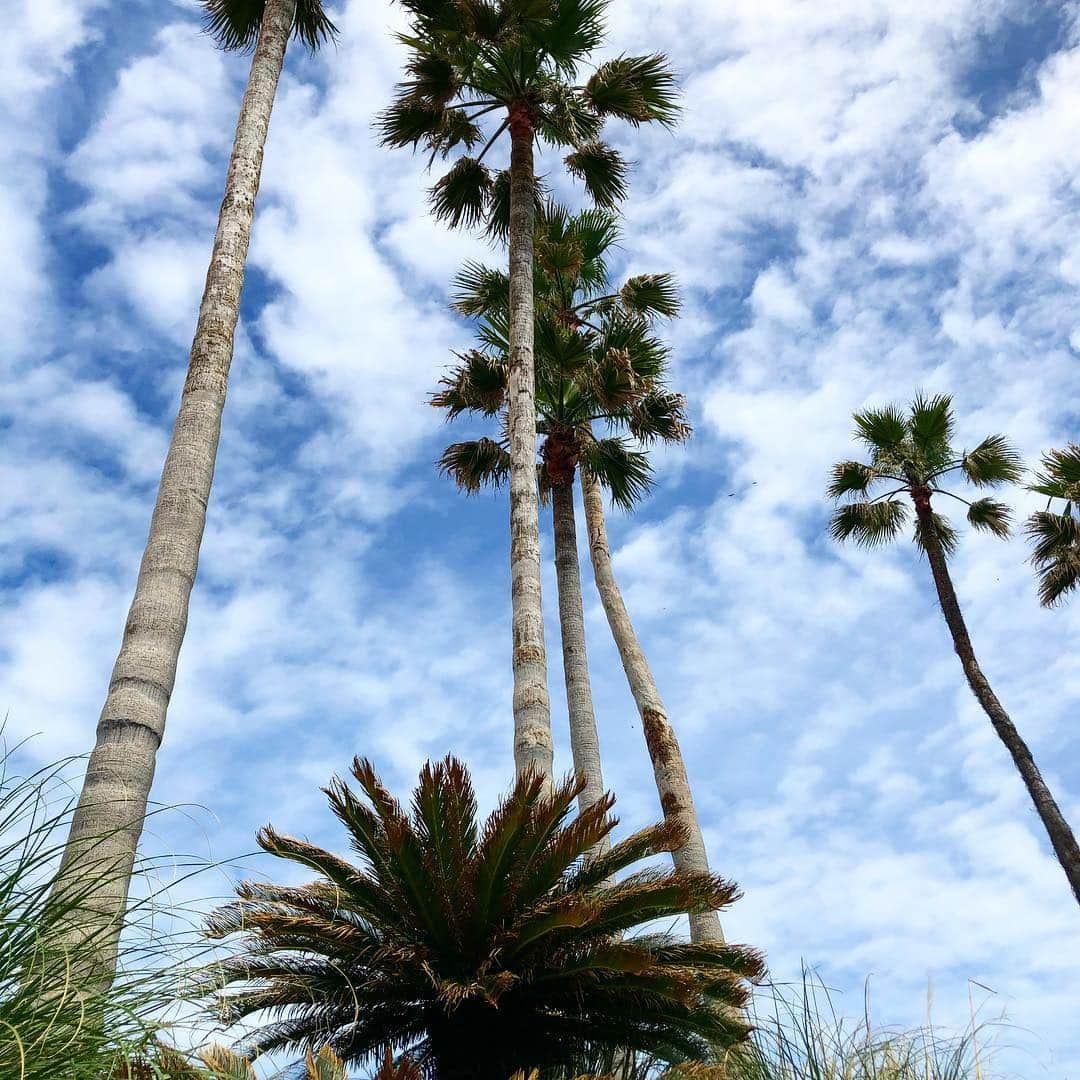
(864, 198)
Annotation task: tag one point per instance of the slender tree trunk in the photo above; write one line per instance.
(672, 783)
(108, 820)
(532, 711)
(584, 738)
(1057, 828)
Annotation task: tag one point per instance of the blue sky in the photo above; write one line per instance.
(863, 198)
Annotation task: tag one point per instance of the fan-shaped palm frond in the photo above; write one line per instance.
(992, 462)
(624, 471)
(476, 464)
(869, 524)
(602, 169)
(235, 24)
(482, 949)
(1056, 533)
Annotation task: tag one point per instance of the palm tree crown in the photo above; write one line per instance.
(235, 24)
(480, 948)
(597, 359)
(472, 58)
(1057, 535)
(914, 451)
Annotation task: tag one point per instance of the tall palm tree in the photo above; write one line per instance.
(1057, 535)
(914, 451)
(596, 360)
(109, 819)
(665, 753)
(518, 60)
(479, 948)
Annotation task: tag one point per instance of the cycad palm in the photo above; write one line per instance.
(482, 949)
(597, 361)
(913, 453)
(518, 60)
(1057, 533)
(109, 818)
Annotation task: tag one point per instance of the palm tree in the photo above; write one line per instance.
(109, 819)
(596, 360)
(669, 766)
(518, 59)
(1057, 535)
(915, 452)
(480, 949)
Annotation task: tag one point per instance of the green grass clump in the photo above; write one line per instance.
(57, 1020)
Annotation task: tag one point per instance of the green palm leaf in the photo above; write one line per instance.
(1059, 475)
(992, 516)
(235, 24)
(868, 524)
(850, 478)
(625, 472)
(883, 430)
(992, 462)
(637, 89)
(476, 464)
(602, 170)
(461, 196)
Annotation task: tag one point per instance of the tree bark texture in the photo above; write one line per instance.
(532, 710)
(584, 738)
(1061, 835)
(669, 769)
(108, 820)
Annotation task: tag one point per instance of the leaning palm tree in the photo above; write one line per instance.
(914, 451)
(109, 819)
(518, 60)
(480, 949)
(1057, 534)
(596, 361)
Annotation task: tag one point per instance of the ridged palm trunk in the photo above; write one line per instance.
(108, 820)
(1057, 828)
(532, 711)
(669, 769)
(584, 738)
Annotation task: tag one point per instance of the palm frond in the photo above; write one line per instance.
(461, 197)
(659, 415)
(651, 294)
(637, 89)
(939, 526)
(624, 471)
(235, 24)
(992, 516)
(478, 289)
(477, 384)
(850, 478)
(1059, 474)
(1057, 553)
(931, 424)
(869, 524)
(883, 430)
(476, 464)
(602, 170)
(993, 462)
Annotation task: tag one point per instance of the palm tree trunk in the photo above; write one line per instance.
(584, 738)
(1057, 828)
(108, 820)
(669, 769)
(532, 711)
